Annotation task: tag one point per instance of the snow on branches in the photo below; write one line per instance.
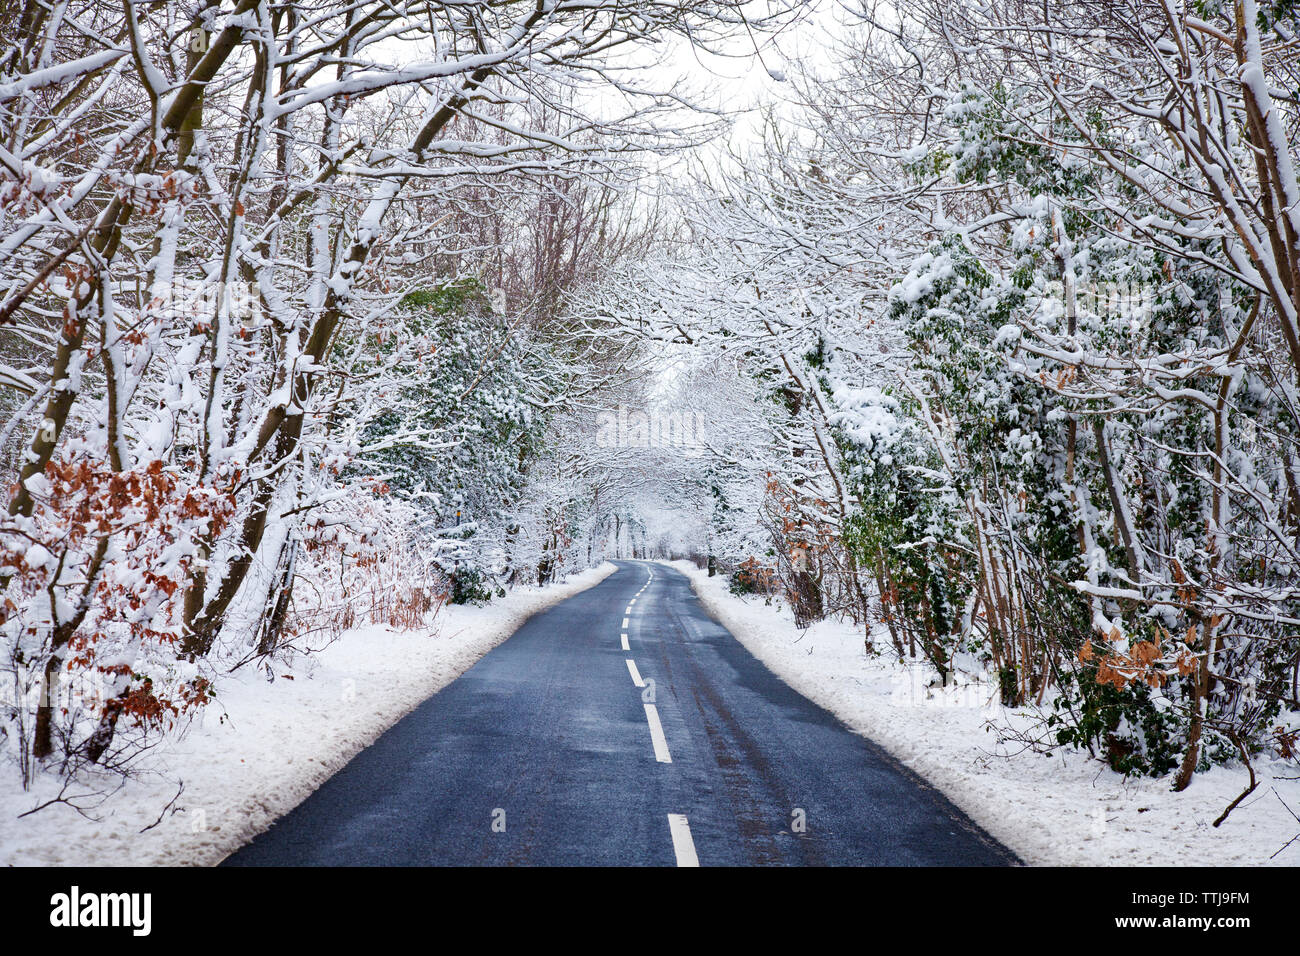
(213, 219)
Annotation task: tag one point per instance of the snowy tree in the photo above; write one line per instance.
(210, 216)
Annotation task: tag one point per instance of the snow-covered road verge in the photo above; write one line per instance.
(263, 747)
(1063, 809)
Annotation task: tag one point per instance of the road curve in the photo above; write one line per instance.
(560, 747)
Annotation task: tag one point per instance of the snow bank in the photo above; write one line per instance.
(1063, 809)
(262, 748)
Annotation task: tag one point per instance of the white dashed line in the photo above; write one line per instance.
(633, 601)
(625, 622)
(683, 845)
(625, 647)
(657, 733)
(636, 674)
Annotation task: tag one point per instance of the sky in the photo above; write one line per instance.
(742, 76)
(750, 71)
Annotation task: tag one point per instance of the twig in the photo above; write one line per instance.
(1293, 814)
(179, 791)
(1245, 793)
(71, 801)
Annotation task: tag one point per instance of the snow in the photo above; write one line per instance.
(866, 416)
(37, 483)
(929, 270)
(58, 74)
(262, 748)
(38, 556)
(1062, 809)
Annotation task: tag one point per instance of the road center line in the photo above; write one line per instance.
(636, 674)
(625, 622)
(683, 845)
(633, 601)
(657, 734)
(625, 647)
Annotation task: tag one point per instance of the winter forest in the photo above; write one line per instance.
(972, 328)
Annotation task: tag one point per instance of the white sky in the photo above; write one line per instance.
(749, 76)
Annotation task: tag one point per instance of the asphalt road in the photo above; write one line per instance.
(547, 752)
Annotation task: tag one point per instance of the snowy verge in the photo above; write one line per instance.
(259, 751)
(1063, 809)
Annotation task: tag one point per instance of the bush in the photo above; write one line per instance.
(470, 584)
(751, 578)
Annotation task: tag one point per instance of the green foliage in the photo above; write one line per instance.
(1008, 428)
(1277, 13)
(452, 298)
(991, 144)
(471, 393)
(750, 578)
(1125, 726)
(458, 434)
(470, 584)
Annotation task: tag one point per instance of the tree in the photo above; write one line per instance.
(208, 211)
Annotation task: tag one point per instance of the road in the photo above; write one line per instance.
(623, 727)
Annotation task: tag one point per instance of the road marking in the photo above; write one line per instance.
(625, 647)
(625, 622)
(636, 674)
(629, 610)
(683, 845)
(633, 601)
(657, 734)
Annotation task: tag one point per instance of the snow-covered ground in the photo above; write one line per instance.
(264, 747)
(267, 746)
(1059, 809)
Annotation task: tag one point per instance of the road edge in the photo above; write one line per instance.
(997, 835)
(466, 657)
